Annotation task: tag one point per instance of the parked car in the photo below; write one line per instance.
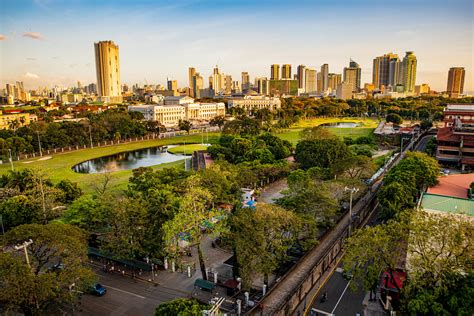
(98, 289)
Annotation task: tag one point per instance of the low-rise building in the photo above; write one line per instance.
(456, 139)
(19, 118)
(253, 103)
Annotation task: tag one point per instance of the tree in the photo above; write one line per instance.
(218, 121)
(180, 307)
(71, 191)
(33, 289)
(355, 167)
(184, 125)
(426, 124)
(262, 238)
(394, 118)
(316, 133)
(320, 153)
(431, 147)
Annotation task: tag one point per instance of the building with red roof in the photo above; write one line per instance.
(456, 139)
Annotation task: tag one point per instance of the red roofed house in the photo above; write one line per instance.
(456, 138)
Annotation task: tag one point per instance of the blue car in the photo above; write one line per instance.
(98, 290)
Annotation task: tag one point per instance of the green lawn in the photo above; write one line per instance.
(59, 166)
(187, 149)
(367, 127)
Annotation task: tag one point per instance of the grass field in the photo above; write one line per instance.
(59, 166)
(367, 127)
(187, 149)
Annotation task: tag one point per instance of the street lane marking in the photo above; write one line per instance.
(341, 297)
(123, 291)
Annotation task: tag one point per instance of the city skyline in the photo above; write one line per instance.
(44, 53)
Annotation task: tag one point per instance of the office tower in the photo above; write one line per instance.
(333, 81)
(172, 85)
(394, 72)
(228, 84)
(344, 91)
(218, 80)
(409, 72)
(286, 71)
(245, 80)
(352, 75)
(191, 73)
(197, 85)
(275, 72)
(263, 86)
(107, 66)
(236, 87)
(324, 78)
(211, 79)
(381, 70)
(455, 81)
(10, 89)
(310, 80)
(424, 88)
(300, 75)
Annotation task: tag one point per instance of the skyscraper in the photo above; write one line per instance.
(191, 73)
(197, 85)
(352, 75)
(394, 72)
(245, 80)
(107, 66)
(333, 81)
(310, 80)
(228, 84)
(286, 71)
(409, 72)
(275, 72)
(217, 81)
(324, 78)
(455, 81)
(172, 85)
(300, 76)
(381, 70)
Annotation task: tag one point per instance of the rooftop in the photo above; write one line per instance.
(455, 185)
(459, 107)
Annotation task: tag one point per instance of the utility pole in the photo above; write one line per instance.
(90, 136)
(39, 143)
(351, 190)
(24, 246)
(10, 157)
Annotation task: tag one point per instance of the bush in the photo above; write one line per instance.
(394, 118)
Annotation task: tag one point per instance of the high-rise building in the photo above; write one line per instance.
(310, 80)
(352, 75)
(344, 91)
(300, 76)
(107, 66)
(424, 88)
(286, 71)
(191, 73)
(333, 81)
(172, 85)
(409, 72)
(394, 72)
(381, 70)
(236, 87)
(324, 78)
(228, 84)
(218, 81)
(197, 85)
(245, 80)
(274, 72)
(263, 86)
(455, 81)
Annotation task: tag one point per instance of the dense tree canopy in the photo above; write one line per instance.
(321, 153)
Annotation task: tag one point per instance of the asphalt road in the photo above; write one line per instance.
(421, 146)
(126, 297)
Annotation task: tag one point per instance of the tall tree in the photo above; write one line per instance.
(55, 272)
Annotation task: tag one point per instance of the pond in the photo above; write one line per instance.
(129, 160)
(341, 124)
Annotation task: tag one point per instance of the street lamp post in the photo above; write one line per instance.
(351, 190)
(23, 246)
(90, 136)
(10, 157)
(39, 143)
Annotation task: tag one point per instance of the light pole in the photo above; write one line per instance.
(90, 136)
(39, 143)
(10, 157)
(24, 246)
(351, 190)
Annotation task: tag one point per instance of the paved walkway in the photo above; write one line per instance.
(273, 191)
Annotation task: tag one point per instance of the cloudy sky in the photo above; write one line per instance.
(49, 42)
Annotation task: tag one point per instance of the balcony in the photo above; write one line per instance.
(445, 157)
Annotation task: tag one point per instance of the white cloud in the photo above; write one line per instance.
(31, 75)
(2, 37)
(33, 35)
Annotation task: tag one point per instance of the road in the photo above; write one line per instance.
(126, 297)
(421, 146)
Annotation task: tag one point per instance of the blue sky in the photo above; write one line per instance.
(48, 42)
